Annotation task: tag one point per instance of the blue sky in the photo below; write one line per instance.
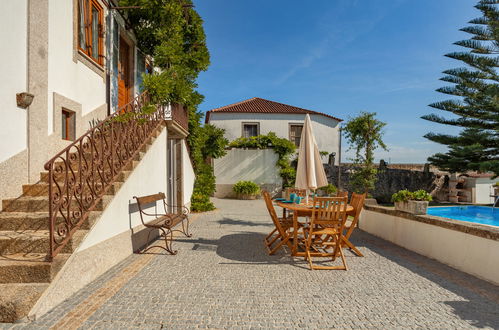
(339, 57)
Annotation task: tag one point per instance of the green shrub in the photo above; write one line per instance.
(421, 195)
(405, 195)
(246, 188)
(330, 189)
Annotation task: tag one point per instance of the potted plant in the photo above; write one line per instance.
(328, 190)
(496, 188)
(246, 190)
(412, 202)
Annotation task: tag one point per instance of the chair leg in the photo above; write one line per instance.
(283, 241)
(185, 227)
(167, 246)
(351, 246)
(270, 234)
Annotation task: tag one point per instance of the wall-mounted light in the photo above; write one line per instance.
(24, 99)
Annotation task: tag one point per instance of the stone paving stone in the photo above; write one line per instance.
(223, 278)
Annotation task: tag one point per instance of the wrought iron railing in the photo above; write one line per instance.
(79, 175)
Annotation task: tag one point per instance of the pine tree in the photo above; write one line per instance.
(476, 147)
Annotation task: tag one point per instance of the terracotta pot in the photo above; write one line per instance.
(413, 207)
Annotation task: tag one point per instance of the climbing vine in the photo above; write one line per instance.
(171, 32)
(282, 147)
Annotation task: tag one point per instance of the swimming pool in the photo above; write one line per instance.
(477, 214)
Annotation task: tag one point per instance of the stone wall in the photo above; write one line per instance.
(390, 180)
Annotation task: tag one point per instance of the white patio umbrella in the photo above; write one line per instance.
(310, 173)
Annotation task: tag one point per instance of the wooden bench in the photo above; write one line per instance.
(165, 222)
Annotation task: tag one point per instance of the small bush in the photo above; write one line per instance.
(329, 189)
(405, 195)
(246, 188)
(421, 195)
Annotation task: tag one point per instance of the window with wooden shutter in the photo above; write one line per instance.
(295, 133)
(250, 129)
(68, 125)
(90, 29)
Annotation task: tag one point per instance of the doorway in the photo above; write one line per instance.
(175, 175)
(124, 79)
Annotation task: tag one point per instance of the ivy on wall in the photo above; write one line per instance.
(171, 32)
(282, 147)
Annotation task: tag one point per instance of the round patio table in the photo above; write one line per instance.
(301, 210)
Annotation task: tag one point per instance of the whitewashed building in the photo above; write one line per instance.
(68, 171)
(78, 62)
(259, 116)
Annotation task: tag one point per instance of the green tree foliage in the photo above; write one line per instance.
(206, 142)
(282, 147)
(364, 133)
(171, 31)
(476, 109)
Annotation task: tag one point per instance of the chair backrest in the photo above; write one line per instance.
(297, 191)
(272, 213)
(357, 202)
(329, 211)
(144, 200)
(342, 193)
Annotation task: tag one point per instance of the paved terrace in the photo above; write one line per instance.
(223, 278)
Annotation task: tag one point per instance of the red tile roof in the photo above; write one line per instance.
(258, 105)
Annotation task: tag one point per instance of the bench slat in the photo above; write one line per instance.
(150, 198)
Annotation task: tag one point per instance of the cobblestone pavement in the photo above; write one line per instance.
(223, 278)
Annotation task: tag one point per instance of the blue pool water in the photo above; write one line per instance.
(477, 214)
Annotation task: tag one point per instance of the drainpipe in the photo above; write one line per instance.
(339, 158)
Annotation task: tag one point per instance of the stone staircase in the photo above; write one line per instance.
(25, 272)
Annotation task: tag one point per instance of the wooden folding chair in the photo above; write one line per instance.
(357, 201)
(326, 230)
(342, 193)
(282, 228)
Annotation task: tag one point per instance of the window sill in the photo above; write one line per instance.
(90, 63)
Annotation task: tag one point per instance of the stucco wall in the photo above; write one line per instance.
(74, 80)
(484, 190)
(189, 175)
(258, 166)
(149, 177)
(13, 66)
(469, 253)
(115, 235)
(326, 130)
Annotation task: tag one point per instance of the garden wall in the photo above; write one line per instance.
(390, 180)
(469, 247)
(257, 165)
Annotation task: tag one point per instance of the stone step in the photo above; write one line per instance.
(18, 221)
(31, 241)
(44, 176)
(17, 299)
(42, 189)
(35, 204)
(30, 268)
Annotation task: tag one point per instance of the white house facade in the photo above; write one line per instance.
(68, 169)
(259, 116)
(77, 62)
